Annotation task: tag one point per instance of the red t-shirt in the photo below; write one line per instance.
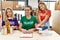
(44, 13)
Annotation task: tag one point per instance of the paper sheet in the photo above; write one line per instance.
(26, 35)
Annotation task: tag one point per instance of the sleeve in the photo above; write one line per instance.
(16, 22)
(35, 20)
(21, 20)
(49, 13)
(3, 23)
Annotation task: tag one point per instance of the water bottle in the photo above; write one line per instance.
(7, 26)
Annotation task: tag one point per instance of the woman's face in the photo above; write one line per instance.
(9, 13)
(27, 11)
(36, 10)
(42, 6)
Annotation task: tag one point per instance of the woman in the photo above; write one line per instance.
(43, 15)
(28, 22)
(9, 16)
(36, 11)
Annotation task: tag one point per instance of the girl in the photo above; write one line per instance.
(28, 22)
(43, 15)
(9, 16)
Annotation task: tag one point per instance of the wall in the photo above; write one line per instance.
(33, 3)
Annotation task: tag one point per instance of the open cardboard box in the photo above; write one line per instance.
(6, 4)
(56, 21)
(12, 4)
(57, 5)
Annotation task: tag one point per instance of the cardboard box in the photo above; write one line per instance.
(56, 21)
(16, 6)
(57, 5)
(6, 4)
(13, 4)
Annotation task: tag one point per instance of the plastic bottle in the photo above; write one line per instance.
(7, 26)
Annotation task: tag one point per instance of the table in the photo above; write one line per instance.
(36, 36)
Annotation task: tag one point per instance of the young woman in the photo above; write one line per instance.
(43, 15)
(28, 23)
(9, 16)
(36, 11)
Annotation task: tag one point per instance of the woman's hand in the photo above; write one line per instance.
(31, 30)
(40, 25)
(24, 30)
(14, 27)
(0, 27)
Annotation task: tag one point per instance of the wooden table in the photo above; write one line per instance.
(36, 36)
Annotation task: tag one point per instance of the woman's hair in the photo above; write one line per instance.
(30, 9)
(6, 16)
(43, 4)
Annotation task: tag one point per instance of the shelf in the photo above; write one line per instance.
(15, 5)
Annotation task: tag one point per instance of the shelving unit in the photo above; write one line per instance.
(17, 6)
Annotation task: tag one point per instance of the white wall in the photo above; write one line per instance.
(52, 8)
(33, 3)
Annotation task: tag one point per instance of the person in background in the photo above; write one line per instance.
(44, 15)
(10, 17)
(36, 13)
(0, 21)
(28, 22)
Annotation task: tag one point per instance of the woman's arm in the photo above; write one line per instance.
(20, 26)
(21, 29)
(16, 22)
(39, 19)
(33, 29)
(48, 14)
(46, 18)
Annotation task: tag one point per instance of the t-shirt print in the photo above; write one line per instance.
(27, 23)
